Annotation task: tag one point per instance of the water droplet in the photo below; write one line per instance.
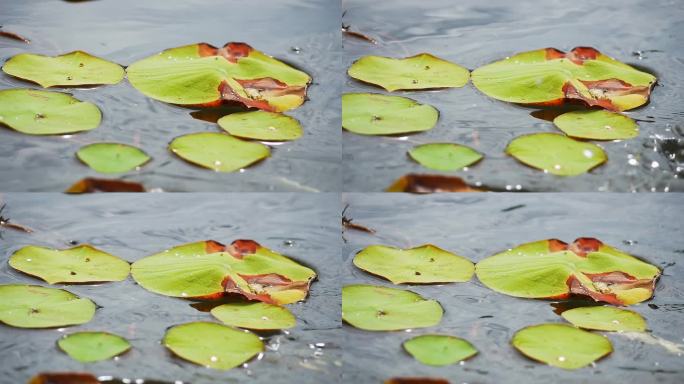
(264, 318)
(557, 166)
(561, 358)
(633, 162)
(588, 153)
(214, 358)
(296, 49)
(655, 164)
(28, 259)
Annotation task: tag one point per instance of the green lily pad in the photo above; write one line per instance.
(261, 316)
(88, 347)
(261, 125)
(439, 349)
(556, 154)
(81, 264)
(554, 269)
(423, 71)
(208, 269)
(112, 157)
(424, 264)
(444, 156)
(71, 69)
(201, 74)
(373, 114)
(376, 308)
(46, 113)
(212, 345)
(218, 151)
(605, 319)
(549, 76)
(561, 345)
(31, 306)
(597, 125)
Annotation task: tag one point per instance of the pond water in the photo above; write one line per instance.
(477, 226)
(472, 33)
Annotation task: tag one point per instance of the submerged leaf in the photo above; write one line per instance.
(416, 183)
(32, 306)
(218, 151)
(88, 347)
(439, 349)
(93, 185)
(374, 114)
(416, 380)
(261, 125)
(112, 157)
(605, 319)
(597, 125)
(262, 316)
(444, 156)
(64, 378)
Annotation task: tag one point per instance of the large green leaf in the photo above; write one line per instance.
(46, 113)
(75, 68)
(556, 154)
(554, 269)
(31, 306)
(597, 125)
(218, 151)
(81, 264)
(423, 264)
(88, 347)
(605, 319)
(444, 156)
(207, 269)
(261, 316)
(112, 157)
(201, 74)
(439, 349)
(373, 114)
(561, 345)
(423, 71)
(261, 125)
(376, 308)
(212, 345)
(549, 76)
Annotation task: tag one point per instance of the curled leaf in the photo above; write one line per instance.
(597, 125)
(31, 306)
(262, 316)
(218, 151)
(88, 347)
(444, 156)
(439, 350)
(374, 114)
(261, 125)
(605, 319)
(112, 157)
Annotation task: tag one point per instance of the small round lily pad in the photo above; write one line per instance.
(561, 345)
(32, 306)
(88, 347)
(261, 125)
(112, 157)
(218, 151)
(212, 345)
(373, 114)
(597, 125)
(260, 316)
(46, 113)
(605, 319)
(439, 349)
(556, 154)
(444, 156)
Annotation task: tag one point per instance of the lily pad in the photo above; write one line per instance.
(46, 113)
(549, 76)
(31, 306)
(597, 125)
(261, 125)
(112, 157)
(201, 74)
(218, 151)
(553, 269)
(260, 316)
(208, 269)
(423, 71)
(373, 114)
(556, 154)
(212, 345)
(444, 156)
(81, 264)
(376, 308)
(71, 69)
(88, 347)
(439, 349)
(605, 319)
(423, 264)
(561, 345)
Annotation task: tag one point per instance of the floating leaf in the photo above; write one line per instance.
(414, 380)
(439, 349)
(71, 69)
(88, 347)
(423, 71)
(261, 125)
(218, 151)
(207, 269)
(549, 76)
(64, 378)
(46, 113)
(424, 264)
(561, 345)
(554, 269)
(387, 309)
(261, 316)
(416, 183)
(373, 114)
(112, 157)
(597, 125)
(605, 319)
(201, 74)
(212, 345)
(81, 264)
(444, 156)
(93, 185)
(556, 154)
(31, 306)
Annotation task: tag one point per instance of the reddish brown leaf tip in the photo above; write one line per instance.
(577, 55)
(416, 183)
(14, 36)
(581, 246)
(240, 247)
(93, 185)
(64, 378)
(212, 246)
